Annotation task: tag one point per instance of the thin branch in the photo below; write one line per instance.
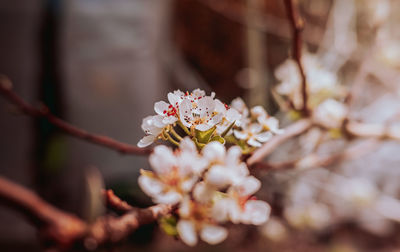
(43, 112)
(314, 160)
(297, 24)
(65, 230)
(373, 130)
(114, 202)
(291, 131)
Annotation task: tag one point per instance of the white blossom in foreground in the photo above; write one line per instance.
(210, 188)
(175, 173)
(330, 113)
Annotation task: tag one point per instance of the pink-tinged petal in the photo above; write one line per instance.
(147, 122)
(185, 113)
(218, 176)
(240, 106)
(235, 212)
(146, 141)
(253, 142)
(162, 159)
(160, 107)
(170, 197)
(233, 155)
(248, 186)
(213, 234)
(204, 127)
(202, 192)
(214, 151)
(240, 134)
(185, 207)
(220, 209)
(263, 137)
(188, 184)
(150, 186)
(187, 232)
(255, 212)
(187, 144)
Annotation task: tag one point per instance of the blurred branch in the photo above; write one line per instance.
(291, 131)
(297, 24)
(64, 230)
(114, 202)
(314, 160)
(43, 112)
(373, 130)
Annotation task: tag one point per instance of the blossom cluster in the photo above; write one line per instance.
(324, 90)
(205, 118)
(210, 188)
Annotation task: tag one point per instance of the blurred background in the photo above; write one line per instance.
(102, 64)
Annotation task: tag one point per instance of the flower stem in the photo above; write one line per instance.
(176, 135)
(184, 128)
(168, 136)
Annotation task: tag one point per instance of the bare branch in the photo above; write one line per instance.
(291, 131)
(373, 130)
(64, 230)
(314, 160)
(114, 202)
(297, 24)
(43, 112)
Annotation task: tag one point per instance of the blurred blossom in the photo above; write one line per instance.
(274, 230)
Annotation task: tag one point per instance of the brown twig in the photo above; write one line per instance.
(373, 130)
(114, 202)
(63, 230)
(289, 132)
(43, 112)
(297, 24)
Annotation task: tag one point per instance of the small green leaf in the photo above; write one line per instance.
(204, 136)
(168, 225)
(218, 138)
(228, 129)
(231, 139)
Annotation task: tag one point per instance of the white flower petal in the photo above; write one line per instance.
(162, 159)
(203, 193)
(255, 212)
(233, 115)
(214, 151)
(204, 127)
(253, 142)
(220, 209)
(185, 113)
(213, 234)
(258, 111)
(240, 134)
(218, 176)
(248, 186)
(160, 107)
(187, 144)
(150, 186)
(146, 141)
(264, 136)
(207, 106)
(187, 232)
(170, 197)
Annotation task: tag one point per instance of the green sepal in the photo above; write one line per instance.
(218, 138)
(246, 149)
(198, 145)
(204, 136)
(228, 129)
(168, 225)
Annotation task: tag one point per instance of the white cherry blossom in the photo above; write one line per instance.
(330, 113)
(230, 115)
(253, 135)
(152, 126)
(175, 173)
(195, 219)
